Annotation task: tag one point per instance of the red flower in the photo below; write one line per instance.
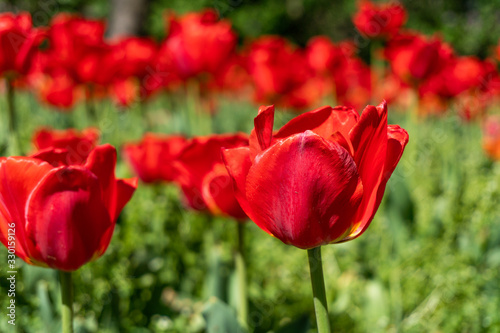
(152, 158)
(58, 89)
(491, 137)
(353, 83)
(379, 21)
(458, 75)
(203, 177)
(326, 57)
(63, 215)
(198, 43)
(18, 42)
(321, 177)
(132, 62)
(78, 144)
(282, 75)
(414, 58)
(77, 47)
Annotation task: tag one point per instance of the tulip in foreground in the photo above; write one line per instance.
(60, 215)
(318, 180)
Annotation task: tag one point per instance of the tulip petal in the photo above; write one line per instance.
(304, 190)
(369, 140)
(238, 163)
(199, 163)
(101, 162)
(262, 134)
(18, 177)
(124, 190)
(66, 217)
(219, 194)
(323, 121)
(59, 157)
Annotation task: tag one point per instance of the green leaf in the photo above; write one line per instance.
(220, 317)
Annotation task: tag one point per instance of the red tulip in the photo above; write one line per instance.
(326, 57)
(18, 42)
(491, 137)
(152, 158)
(198, 43)
(63, 215)
(414, 58)
(321, 177)
(353, 83)
(78, 144)
(379, 21)
(58, 89)
(132, 63)
(458, 75)
(203, 177)
(282, 75)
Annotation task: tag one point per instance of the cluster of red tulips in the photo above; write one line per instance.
(71, 59)
(316, 181)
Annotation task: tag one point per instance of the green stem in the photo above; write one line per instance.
(66, 301)
(241, 276)
(200, 120)
(90, 106)
(214, 284)
(318, 287)
(377, 67)
(14, 143)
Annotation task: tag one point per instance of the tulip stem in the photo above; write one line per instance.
(241, 276)
(15, 144)
(66, 301)
(90, 106)
(318, 287)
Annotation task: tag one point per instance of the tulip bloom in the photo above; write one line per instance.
(491, 137)
(152, 158)
(18, 42)
(197, 43)
(78, 144)
(282, 75)
(63, 215)
(414, 57)
(203, 177)
(321, 178)
(379, 21)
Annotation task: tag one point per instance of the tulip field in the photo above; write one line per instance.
(213, 182)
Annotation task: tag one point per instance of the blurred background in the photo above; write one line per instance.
(470, 26)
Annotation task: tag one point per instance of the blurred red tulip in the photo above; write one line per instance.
(282, 75)
(326, 57)
(63, 215)
(458, 75)
(491, 137)
(58, 89)
(78, 144)
(321, 177)
(414, 58)
(203, 177)
(135, 75)
(18, 42)
(379, 20)
(152, 158)
(197, 43)
(353, 83)
(233, 77)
